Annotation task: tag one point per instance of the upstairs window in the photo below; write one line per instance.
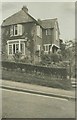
(56, 35)
(56, 27)
(39, 31)
(48, 32)
(15, 30)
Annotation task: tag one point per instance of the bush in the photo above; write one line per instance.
(50, 58)
(54, 57)
(17, 57)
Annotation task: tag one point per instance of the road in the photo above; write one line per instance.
(17, 104)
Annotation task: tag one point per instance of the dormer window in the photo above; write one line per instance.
(15, 30)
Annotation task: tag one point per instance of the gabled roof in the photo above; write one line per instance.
(19, 17)
(48, 23)
(24, 17)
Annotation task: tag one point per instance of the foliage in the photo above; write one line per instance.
(17, 57)
(68, 54)
(50, 58)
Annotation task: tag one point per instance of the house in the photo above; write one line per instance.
(21, 33)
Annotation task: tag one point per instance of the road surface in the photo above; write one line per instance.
(17, 104)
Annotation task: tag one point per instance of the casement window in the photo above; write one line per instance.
(47, 47)
(39, 31)
(15, 30)
(48, 32)
(13, 48)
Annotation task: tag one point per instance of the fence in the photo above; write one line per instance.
(57, 72)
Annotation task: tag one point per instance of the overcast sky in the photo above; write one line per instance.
(64, 11)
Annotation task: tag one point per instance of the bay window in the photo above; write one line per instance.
(16, 47)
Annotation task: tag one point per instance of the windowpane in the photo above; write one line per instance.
(48, 32)
(10, 49)
(39, 31)
(15, 29)
(17, 48)
(13, 48)
(47, 47)
(19, 26)
(56, 35)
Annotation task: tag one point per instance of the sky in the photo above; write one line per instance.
(64, 11)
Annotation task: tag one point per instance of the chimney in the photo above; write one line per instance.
(25, 9)
(39, 21)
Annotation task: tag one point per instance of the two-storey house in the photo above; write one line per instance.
(21, 33)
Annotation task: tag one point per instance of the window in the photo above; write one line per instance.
(48, 32)
(56, 35)
(10, 49)
(56, 31)
(47, 47)
(13, 48)
(15, 30)
(16, 47)
(39, 31)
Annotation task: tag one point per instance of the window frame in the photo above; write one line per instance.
(48, 31)
(12, 51)
(14, 28)
(45, 49)
(39, 31)
(56, 31)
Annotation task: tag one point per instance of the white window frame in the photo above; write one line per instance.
(13, 29)
(9, 42)
(48, 31)
(46, 45)
(24, 48)
(15, 26)
(56, 31)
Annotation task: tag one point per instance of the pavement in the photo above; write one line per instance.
(37, 89)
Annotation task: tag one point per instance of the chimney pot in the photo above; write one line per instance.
(25, 9)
